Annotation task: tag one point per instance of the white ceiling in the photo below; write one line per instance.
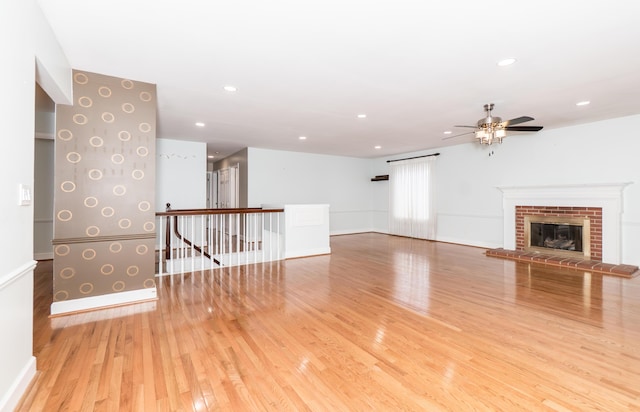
(307, 68)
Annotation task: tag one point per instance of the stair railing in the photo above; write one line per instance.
(199, 239)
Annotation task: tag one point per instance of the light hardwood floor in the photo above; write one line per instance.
(383, 323)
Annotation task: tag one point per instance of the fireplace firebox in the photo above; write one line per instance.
(564, 236)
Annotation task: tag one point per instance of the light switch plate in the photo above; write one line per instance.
(24, 195)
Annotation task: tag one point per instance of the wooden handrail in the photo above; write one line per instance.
(187, 212)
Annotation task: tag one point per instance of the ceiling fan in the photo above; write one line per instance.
(491, 128)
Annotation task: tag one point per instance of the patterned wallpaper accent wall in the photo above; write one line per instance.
(104, 219)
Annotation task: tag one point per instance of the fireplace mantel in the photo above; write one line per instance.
(608, 196)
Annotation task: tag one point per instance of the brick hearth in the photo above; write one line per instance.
(627, 271)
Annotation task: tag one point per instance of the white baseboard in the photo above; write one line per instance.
(308, 252)
(103, 301)
(349, 232)
(467, 242)
(10, 399)
(458, 241)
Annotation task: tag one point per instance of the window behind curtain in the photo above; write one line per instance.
(411, 211)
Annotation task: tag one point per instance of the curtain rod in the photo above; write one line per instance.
(416, 157)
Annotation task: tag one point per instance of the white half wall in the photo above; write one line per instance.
(281, 177)
(181, 174)
(306, 229)
(16, 357)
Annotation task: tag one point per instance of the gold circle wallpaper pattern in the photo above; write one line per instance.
(104, 221)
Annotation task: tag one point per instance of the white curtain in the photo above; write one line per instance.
(411, 198)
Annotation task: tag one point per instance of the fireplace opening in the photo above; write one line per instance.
(557, 236)
(564, 236)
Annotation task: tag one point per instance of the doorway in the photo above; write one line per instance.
(43, 174)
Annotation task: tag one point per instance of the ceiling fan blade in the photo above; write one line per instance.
(524, 128)
(473, 127)
(458, 135)
(517, 120)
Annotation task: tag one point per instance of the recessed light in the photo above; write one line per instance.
(377, 147)
(583, 103)
(199, 124)
(210, 156)
(506, 62)
(302, 138)
(447, 132)
(362, 116)
(230, 88)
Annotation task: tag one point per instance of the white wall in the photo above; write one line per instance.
(23, 23)
(280, 177)
(181, 174)
(470, 205)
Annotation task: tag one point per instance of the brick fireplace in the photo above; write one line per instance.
(568, 210)
(580, 199)
(592, 231)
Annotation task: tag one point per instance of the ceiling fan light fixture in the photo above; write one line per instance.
(489, 134)
(492, 128)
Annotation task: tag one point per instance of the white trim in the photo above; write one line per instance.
(17, 389)
(308, 252)
(11, 277)
(467, 242)
(350, 231)
(608, 196)
(103, 301)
